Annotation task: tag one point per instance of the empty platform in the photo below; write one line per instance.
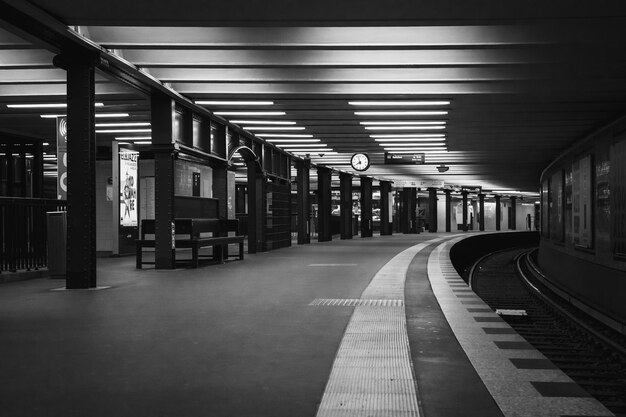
(372, 327)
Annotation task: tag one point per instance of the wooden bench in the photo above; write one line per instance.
(193, 228)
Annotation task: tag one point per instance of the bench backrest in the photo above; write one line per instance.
(193, 227)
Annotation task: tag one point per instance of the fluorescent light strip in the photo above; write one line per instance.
(251, 128)
(292, 140)
(416, 145)
(302, 152)
(410, 135)
(317, 150)
(409, 140)
(399, 103)
(123, 124)
(402, 113)
(44, 106)
(413, 151)
(261, 122)
(305, 145)
(405, 123)
(282, 135)
(143, 142)
(250, 113)
(234, 103)
(404, 127)
(124, 131)
(98, 115)
(131, 138)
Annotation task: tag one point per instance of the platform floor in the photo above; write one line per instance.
(341, 328)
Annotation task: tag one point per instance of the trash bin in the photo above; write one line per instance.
(57, 238)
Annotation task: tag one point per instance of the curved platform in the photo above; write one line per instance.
(343, 328)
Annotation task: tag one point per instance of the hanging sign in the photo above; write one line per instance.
(62, 158)
(128, 187)
(420, 183)
(404, 159)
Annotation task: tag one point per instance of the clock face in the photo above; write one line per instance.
(360, 161)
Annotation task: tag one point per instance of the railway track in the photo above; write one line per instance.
(590, 354)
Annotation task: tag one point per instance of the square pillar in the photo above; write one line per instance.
(386, 226)
(366, 207)
(163, 116)
(324, 205)
(498, 213)
(464, 194)
(345, 200)
(448, 210)
(432, 210)
(513, 217)
(303, 168)
(481, 214)
(81, 170)
(257, 208)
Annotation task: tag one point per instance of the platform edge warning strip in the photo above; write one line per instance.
(513, 389)
(372, 374)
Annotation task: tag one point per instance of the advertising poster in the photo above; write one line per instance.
(128, 187)
(62, 158)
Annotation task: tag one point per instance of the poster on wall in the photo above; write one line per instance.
(62, 158)
(129, 180)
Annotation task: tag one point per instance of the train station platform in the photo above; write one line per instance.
(382, 326)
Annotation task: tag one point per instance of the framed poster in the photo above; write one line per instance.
(129, 179)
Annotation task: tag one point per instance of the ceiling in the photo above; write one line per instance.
(517, 83)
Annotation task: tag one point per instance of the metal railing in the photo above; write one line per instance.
(23, 232)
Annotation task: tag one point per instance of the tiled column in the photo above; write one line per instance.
(324, 204)
(386, 227)
(81, 170)
(366, 207)
(345, 198)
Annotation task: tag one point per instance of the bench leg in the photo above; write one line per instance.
(241, 250)
(194, 256)
(139, 255)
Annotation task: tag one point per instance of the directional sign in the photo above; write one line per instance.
(404, 159)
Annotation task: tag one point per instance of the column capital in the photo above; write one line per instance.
(69, 58)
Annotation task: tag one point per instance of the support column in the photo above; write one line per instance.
(81, 170)
(464, 194)
(432, 210)
(386, 226)
(366, 207)
(448, 210)
(163, 119)
(413, 210)
(498, 212)
(38, 170)
(23, 171)
(481, 215)
(345, 201)
(324, 205)
(512, 218)
(303, 168)
(408, 215)
(257, 209)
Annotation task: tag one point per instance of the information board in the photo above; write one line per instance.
(404, 159)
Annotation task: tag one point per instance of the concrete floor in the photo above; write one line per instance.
(225, 340)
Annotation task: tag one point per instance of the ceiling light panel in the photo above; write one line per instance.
(249, 113)
(402, 113)
(400, 103)
(234, 103)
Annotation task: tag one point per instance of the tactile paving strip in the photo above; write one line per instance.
(354, 302)
(373, 374)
